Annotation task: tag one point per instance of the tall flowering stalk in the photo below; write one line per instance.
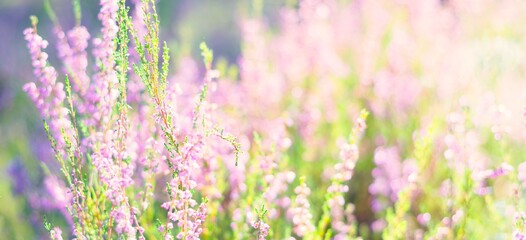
(104, 87)
(275, 182)
(183, 158)
(334, 206)
(259, 224)
(104, 147)
(185, 148)
(49, 97)
(301, 216)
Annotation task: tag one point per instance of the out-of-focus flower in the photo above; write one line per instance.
(56, 233)
(50, 95)
(301, 216)
(391, 175)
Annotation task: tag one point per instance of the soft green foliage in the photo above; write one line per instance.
(396, 218)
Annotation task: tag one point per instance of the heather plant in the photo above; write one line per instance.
(339, 124)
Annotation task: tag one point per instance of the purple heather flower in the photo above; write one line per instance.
(504, 169)
(49, 96)
(261, 228)
(391, 175)
(104, 87)
(124, 221)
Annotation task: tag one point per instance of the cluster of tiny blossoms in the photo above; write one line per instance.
(50, 95)
(344, 170)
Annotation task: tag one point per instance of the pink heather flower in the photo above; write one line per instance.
(378, 225)
(261, 228)
(60, 195)
(276, 185)
(276, 182)
(196, 227)
(344, 226)
(116, 176)
(109, 143)
(447, 225)
(181, 207)
(50, 96)
(124, 221)
(104, 90)
(459, 214)
(302, 218)
(72, 51)
(344, 170)
(349, 155)
(337, 202)
(341, 215)
(56, 233)
(424, 218)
